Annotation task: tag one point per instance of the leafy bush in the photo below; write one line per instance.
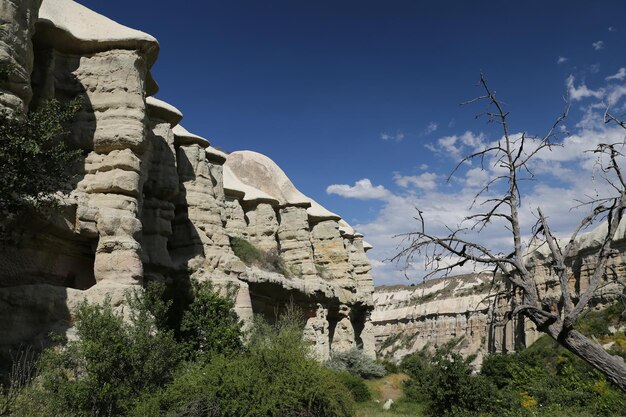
(209, 325)
(547, 377)
(111, 363)
(357, 387)
(246, 251)
(355, 362)
(249, 254)
(34, 160)
(444, 381)
(274, 377)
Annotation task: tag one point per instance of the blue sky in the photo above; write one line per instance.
(358, 101)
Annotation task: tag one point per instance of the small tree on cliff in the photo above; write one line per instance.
(34, 161)
(511, 155)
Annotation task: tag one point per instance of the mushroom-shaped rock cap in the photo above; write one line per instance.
(367, 246)
(260, 172)
(345, 229)
(184, 137)
(163, 111)
(216, 155)
(317, 212)
(72, 27)
(234, 186)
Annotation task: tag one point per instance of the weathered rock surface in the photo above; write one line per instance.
(407, 319)
(17, 19)
(155, 202)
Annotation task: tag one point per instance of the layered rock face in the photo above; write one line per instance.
(408, 319)
(154, 202)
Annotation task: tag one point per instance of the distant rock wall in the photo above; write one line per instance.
(154, 202)
(407, 319)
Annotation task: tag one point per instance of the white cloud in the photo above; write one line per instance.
(397, 137)
(618, 76)
(563, 175)
(476, 177)
(561, 60)
(611, 29)
(457, 145)
(432, 127)
(361, 190)
(582, 91)
(425, 181)
(598, 45)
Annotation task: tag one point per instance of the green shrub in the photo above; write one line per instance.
(270, 260)
(546, 380)
(34, 161)
(355, 362)
(246, 251)
(390, 367)
(109, 366)
(274, 377)
(209, 325)
(357, 387)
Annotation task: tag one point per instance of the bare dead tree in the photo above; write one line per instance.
(512, 155)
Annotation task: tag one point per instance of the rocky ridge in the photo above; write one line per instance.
(155, 202)
(472, 307)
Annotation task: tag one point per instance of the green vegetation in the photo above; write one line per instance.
(156, 362)
(356, 363)
(171, 357)
(268, 260)
(34, 160)
(543, 380)
(273, 377)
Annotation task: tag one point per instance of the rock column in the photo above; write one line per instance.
(17, 20)
(295, 240)
(262, 226)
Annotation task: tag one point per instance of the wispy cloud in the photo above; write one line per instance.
(455, 145)
(424, 181)
(361, 190)
(582, 91)
(561, 60)
(431, 128)
(568, 172)
(598, 45)
(611, 29)
(397, 137)
(618, 76)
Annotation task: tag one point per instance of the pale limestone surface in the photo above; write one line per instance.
(161, 110)
(260, 172)
(184, 137)
(431, 314)
(82, 30)
(316, 331)
(295, 240)
(330, 255)
(154, 201)
(344, 337)
(262, 226)
(235, 187)
(17, 19)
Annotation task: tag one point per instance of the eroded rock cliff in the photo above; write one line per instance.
(473, 308)
(153, 201)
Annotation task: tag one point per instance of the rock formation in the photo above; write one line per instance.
(407, 319)
(155, 202)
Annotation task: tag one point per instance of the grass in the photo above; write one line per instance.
(398, 409)
(391, 386)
